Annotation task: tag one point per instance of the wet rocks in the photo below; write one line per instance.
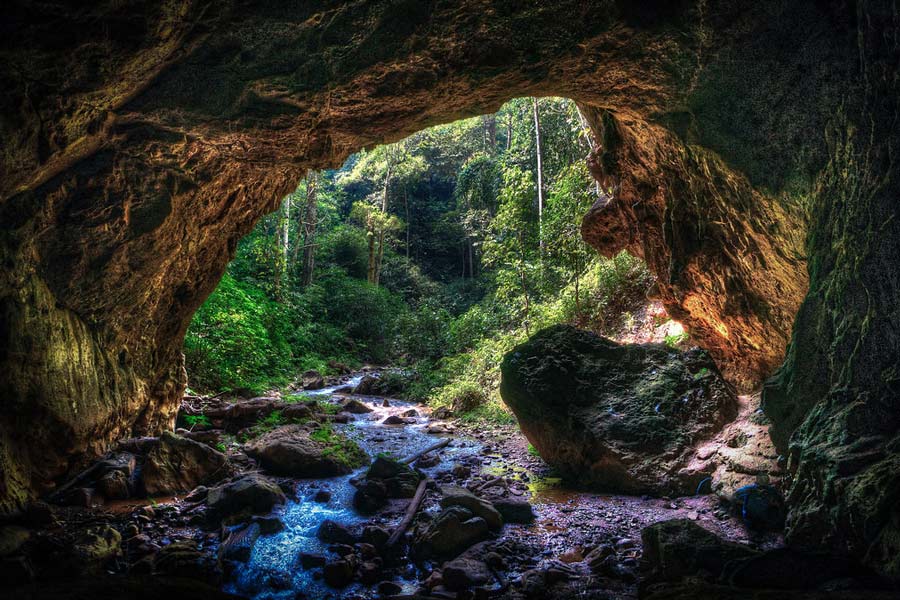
(514, 510)
(178, 464)
(457, 496)
(398, 420)
(332, 532)
(339, 573)
(452, 531)
(356, 407)
(386, 478)
(294, 451)
(761, 507)
(463, 573)
(238, 545)
(366, 386)
(680, 548)
(615, 417)
(250, 494)
(312, 380)
(96, 546)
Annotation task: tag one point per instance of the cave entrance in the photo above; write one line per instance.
(433, 255)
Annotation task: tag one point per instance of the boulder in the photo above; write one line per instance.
(113, 485)
(338, 573)
(458, 496)
(621, 418)
(293, 451)
(680, 548)
(12, 538)
(313, 380)
(239, 544)
(186, 559)
(253, 494)
(453, 530)
(464, 573)
(514, 510)
(178, 464)
(356, 407)
(332, 532)
(366, 386)
(761, 506)
(95, 547)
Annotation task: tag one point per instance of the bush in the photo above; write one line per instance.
(237, 340)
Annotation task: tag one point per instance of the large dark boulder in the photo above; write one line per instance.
(295, 451)
(178, 464)
(250, 494)
(621, 418)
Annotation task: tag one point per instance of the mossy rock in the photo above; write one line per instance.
(621, 418)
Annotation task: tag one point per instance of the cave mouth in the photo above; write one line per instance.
(351, 358)
(141, 142)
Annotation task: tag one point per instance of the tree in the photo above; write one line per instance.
(569, 200)
(511, 246)
(540, 175)
(378, 226)
(309, 228)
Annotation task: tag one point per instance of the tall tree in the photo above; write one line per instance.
(309, 228)
(540, 174)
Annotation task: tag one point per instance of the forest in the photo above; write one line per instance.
(435, 255)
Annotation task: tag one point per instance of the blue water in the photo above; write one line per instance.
(274, 569)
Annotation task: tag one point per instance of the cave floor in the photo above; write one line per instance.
(493, 459)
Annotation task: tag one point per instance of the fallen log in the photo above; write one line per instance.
(431, 448)
(411, 511)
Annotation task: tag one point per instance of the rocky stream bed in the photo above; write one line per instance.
(315, 503)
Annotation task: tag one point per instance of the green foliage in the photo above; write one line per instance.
(221, 447)
(195, 420)
(674, 340)
(430, 255)
(238, 339)
(339, 447)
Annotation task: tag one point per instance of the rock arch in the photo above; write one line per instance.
(141, 141)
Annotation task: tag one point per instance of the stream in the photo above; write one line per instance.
(568, 521)
(273, 570)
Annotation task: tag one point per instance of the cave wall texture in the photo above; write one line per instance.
(750, 147)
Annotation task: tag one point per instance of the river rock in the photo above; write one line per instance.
(514, 510)
(615, 417)
(239, 544)
(356, 407)
(338, 573)
(96, 546)
(291, 450)
(178, 464)
(366, 385)
(113, 485)
(458, 496)
(252, 494)
(332, 532)
(680, 548)
(453, 530)
(185, 559)
(463, 573)
(312, 380)
(12, 538)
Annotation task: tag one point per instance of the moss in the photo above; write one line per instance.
(338, 447)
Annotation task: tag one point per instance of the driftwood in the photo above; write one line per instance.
(490, 483)
(431, 448)
(140, 445)
(411, 511)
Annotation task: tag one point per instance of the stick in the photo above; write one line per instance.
(489, 483)
(430, 448)
(410, 514)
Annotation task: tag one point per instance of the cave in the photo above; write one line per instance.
(750, 148)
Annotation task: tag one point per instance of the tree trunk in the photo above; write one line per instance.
(380, 257)
(540, 175)
(508, 131)
(406, 206)
(309, 228)
(489, 122)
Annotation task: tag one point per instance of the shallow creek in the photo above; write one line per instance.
(566, 519)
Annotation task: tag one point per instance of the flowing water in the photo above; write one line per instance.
(274, 570)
